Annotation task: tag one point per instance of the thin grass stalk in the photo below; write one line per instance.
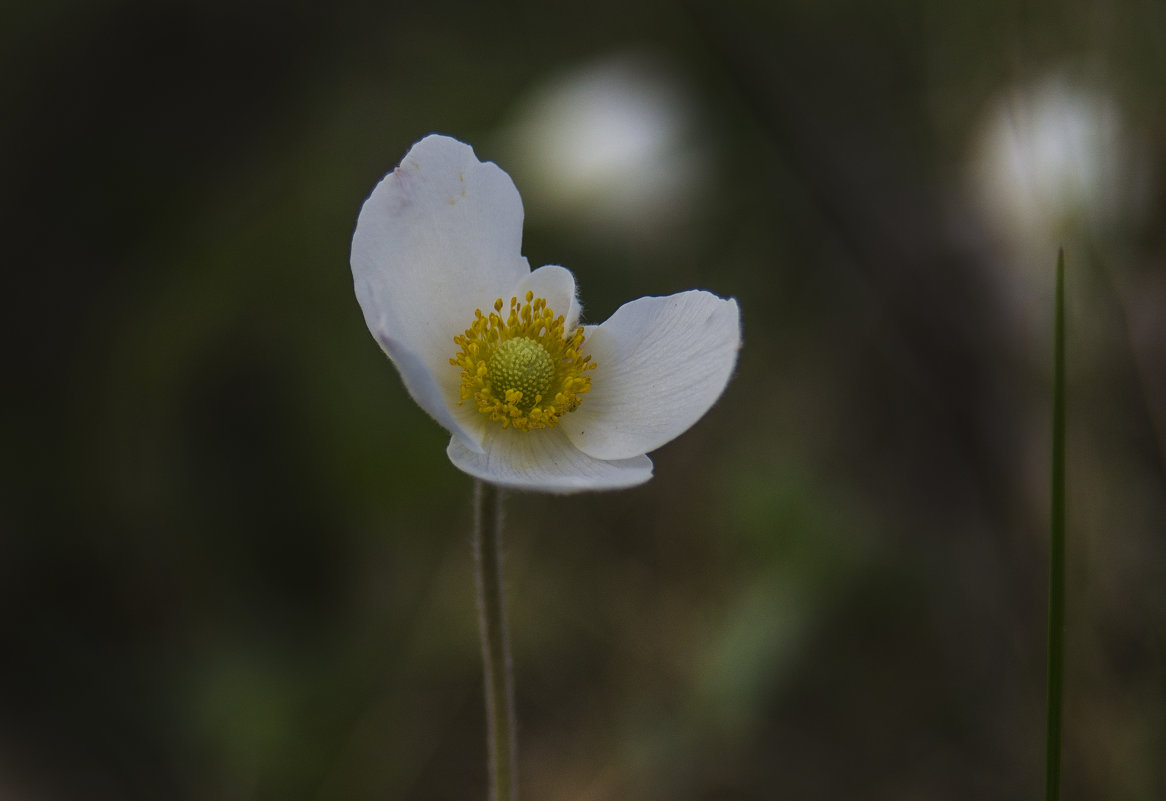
(1056, 642)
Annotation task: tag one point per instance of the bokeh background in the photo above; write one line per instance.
(235, 562)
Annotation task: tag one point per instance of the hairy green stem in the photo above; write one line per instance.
(500, 722)
(1056, 654)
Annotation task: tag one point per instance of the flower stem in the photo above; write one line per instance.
(500, 721)
(1056, 653)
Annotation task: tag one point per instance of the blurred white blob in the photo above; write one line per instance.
(609, 145)
(1055, 163)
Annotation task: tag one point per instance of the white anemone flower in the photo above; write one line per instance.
(495, 352)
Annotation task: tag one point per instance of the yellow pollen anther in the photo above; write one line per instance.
(522, 369)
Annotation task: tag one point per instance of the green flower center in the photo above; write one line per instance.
(522, 368)
(524, 365)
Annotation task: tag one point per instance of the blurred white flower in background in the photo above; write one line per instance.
(1055, 162)
(611, 145)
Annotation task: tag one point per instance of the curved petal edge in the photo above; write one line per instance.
(545, 461)
(662, 362)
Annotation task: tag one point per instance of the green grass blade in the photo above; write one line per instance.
(1056, 652)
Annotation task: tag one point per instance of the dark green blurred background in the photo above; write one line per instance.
(234, 560)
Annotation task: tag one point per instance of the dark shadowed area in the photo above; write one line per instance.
(235, 560)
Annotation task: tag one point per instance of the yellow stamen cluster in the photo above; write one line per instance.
(522, 370)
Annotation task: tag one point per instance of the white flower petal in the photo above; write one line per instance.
(662, 362)
(432, 395)
(440, 236)
(544, 461)
(557, 285)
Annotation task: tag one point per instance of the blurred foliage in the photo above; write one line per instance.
(234, 560)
